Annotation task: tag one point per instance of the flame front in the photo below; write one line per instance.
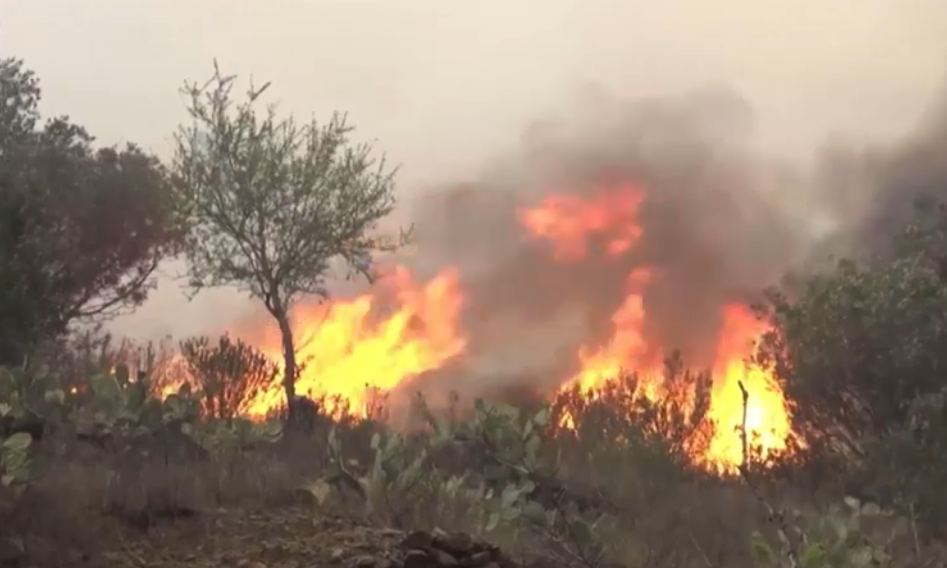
(569, 223)
(351, 348)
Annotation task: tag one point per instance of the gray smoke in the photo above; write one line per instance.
(717, 228)
(872, 192)
(720, 222)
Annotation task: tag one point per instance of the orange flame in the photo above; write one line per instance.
(568, 222)
(767, 415)
(349, 350)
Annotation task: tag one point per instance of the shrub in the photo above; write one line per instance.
(229, 374)
(860, 351)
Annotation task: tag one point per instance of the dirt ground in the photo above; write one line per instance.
(279, 538)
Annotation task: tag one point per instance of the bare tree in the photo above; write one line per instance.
(271, 202)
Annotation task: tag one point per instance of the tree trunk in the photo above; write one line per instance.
(289, 362)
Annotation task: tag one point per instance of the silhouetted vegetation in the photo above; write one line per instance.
(82, 229)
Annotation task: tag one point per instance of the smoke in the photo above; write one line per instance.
(872, 191)
(720, 222)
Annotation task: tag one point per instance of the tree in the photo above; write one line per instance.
(861, 352)
(271, 202)
(858, 346)
(229, 374)
(82, 230)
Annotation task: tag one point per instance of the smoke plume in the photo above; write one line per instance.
(719, 221)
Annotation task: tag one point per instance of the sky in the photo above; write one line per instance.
(443, 87)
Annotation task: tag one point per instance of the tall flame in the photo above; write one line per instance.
(350, 349)
(353, 347)
(568, 223)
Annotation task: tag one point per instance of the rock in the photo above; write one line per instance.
(455, 543)
(419, 559)
(337, 555)
(504, 560)
(445, 559)
(480, 559)
(451, 550)
(418, 540)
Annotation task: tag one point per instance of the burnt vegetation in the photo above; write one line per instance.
(113, 460)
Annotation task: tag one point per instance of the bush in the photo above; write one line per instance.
(860, 351)
(229, 374)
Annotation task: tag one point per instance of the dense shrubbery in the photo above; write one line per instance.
(860, 351)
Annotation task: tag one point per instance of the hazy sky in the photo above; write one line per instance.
(445, 85)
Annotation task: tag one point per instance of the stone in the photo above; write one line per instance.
(480, 559)
(337, 555)
(418, 540)
(419, 559)
(444, 559)
(455, 543)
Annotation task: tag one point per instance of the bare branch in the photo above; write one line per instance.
(774, 515)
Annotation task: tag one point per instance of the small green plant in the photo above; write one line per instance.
(15, 460)
(233, 437)
(852, 535)
(21, 392)
(116, 403)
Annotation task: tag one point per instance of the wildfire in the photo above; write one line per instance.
(767, 416)
(351, 348)
(569, 223)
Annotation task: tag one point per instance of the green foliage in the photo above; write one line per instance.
(861, 351)
(856, 347)
(230, 374)
(223, 438)
(852, 535)
(15, 460)
(270, 202)
(82, 229)
(505, 488)
(115, 401)
(21, 392)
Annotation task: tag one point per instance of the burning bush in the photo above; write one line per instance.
(229, 374)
